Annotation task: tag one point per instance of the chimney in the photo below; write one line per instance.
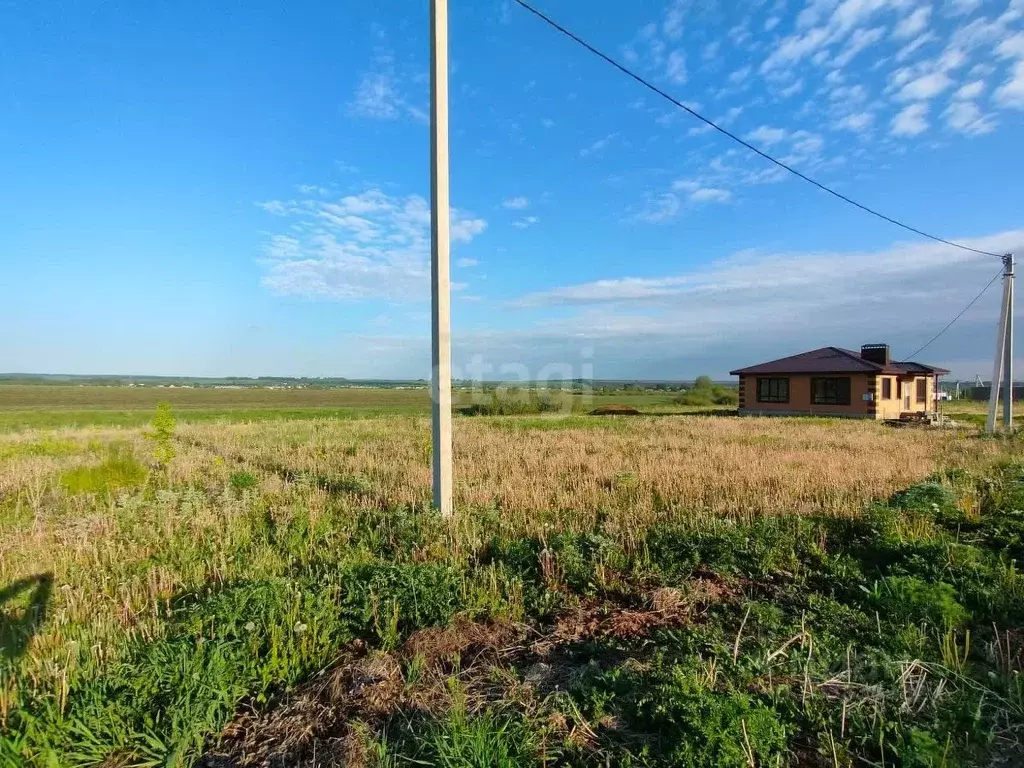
(875, 353)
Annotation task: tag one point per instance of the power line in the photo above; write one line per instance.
(647, 84)
(961, 314)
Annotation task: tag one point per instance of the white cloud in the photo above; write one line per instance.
(965, 117)
(754, 291)
(767, 136)
(792, 89)
(771, 23)
(859, 40)
(370, 245)
(710, 195)
(730, 115)
(757, 305)
(376, 97)
(911, 121)
(913, 24)
(467, 262)
(1012, 47)
(849, 94)
(675, 70)
(971, 90)
(526, 222)
(739, 75)
(598, 146)
(516, 203)
(962, 7)
(793, 48)
(379, 93)
(910, 48)
(660, 209)
(925, 87)
(858, 122)
(1011, 92)
(673, 22)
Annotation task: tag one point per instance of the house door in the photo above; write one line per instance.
(905, 387)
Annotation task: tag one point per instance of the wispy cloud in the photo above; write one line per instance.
(526, 222)
(784, 301)
(467, 262)
(914, 24)
(966, 118)
(767, 135)
(370, 245)
(858, 122)
(911, 121)
(598, 146)
(1011, 92)
(380, 92)
(516, 203)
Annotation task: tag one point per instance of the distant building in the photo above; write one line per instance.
(839, 382)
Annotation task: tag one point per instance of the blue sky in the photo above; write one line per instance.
(243, 188)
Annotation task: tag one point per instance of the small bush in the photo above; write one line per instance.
(163, 434)
(707, 393)
(517, 403)
(243, 480)
(915, 601)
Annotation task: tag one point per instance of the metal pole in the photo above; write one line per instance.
(1008, 261)
(440, 245)
(997, 366)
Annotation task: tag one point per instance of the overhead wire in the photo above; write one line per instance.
(960, 314)
(724, 131)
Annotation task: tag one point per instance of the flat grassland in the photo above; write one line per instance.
(48, 406)
(696, 590)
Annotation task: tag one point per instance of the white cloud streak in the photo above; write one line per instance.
(370, 245)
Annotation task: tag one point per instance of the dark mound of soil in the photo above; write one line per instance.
(615, 410)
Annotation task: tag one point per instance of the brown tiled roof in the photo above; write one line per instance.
(834, 360)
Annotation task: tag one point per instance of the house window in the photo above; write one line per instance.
(773, 390)
(922, 390)
(886, 388)
(834, 390)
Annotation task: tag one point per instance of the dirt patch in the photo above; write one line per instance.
(615, 410)
(321, 725)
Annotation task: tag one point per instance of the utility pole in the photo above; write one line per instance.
(1008, 275)
(1002, 367)
(440, 251)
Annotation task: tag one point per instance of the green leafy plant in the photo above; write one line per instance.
(162, 434)
(241, 481)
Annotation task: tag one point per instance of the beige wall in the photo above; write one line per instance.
(893, 407)
(800, 397)
(860, 384)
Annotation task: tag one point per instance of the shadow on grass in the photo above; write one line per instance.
(16, 632)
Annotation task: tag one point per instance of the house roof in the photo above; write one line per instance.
(835, 360)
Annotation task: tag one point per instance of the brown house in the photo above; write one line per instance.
(838, 382)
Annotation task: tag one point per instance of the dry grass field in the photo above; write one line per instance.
(101, 546)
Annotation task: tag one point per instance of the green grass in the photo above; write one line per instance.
(778, 641)
(25, 407)
(120, 470)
